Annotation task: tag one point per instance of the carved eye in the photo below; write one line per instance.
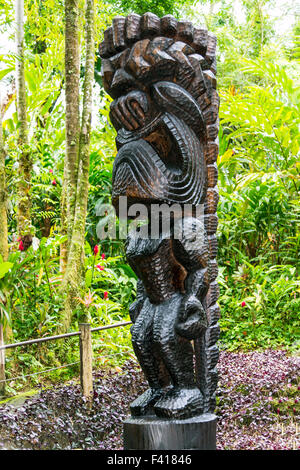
(137, 103)
(176, 100)
(121, 83)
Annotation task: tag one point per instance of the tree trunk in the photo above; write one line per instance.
(3, 195)
(73, 278)
(2, 362)
(72, 75)
(25, 228)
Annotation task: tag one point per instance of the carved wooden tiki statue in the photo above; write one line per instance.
(161, 74)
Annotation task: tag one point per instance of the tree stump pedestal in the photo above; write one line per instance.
(152, 433)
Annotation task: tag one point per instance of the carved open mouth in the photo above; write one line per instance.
(151, 169)
(167, 148)
(139, 173)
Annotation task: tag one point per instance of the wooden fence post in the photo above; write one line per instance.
(2, 362)
(86, 361)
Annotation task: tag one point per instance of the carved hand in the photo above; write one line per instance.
(129, 111)
(192, 320)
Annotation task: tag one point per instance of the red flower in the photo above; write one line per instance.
(50, 171)
(103, 256)
(99, 267)
(243, 304)
(96, 250)
(105, 295)
(54, 182)
(21, 246)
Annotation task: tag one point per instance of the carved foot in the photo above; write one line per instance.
(143, 404)
(180, 403)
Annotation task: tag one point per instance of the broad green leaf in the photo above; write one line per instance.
(5, 72)
(4, 268)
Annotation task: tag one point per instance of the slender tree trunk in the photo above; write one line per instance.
(73, 278)
(72, 75)
(63, 258)
(2, 363)
(261, 24)
(5, 327)
(3, 244)
(3, 195)
(25, 163)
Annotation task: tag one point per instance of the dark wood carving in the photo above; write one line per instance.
(161, 74)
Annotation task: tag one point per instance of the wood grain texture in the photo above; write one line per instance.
(157, 434)
(86, 361)
(161, 73)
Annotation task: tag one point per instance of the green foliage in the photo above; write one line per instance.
(258, 80)
(27, 295)
(259, 168)
(286, 400)
(260, 28)
(158, 7)
(259, 306)
(259, 209)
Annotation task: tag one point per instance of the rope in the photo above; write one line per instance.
(66, 335)
(12, 379)
(41, 340)
(39, 373)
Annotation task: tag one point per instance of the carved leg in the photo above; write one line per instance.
(184, 399)
(153, 368)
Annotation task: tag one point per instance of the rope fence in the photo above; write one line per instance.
(12, 379)
(65, 335)
(86, 356)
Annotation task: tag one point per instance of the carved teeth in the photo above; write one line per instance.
(210, 78)
(212, 294)
(211, 48)
(212, 175)
(213, 246)
(211, 151)
(185, 31)
(168, 26)
(200, 40)
(150, 25)
(211, 202)
(212, 131)
(211, 223)
(213, 314)
(118, 25)
(108, 39)
(132, 26)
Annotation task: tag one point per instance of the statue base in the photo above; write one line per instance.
(153, 433)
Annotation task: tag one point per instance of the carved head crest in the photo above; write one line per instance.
(161, 74)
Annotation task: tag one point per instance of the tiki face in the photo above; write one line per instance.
(157, 70)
